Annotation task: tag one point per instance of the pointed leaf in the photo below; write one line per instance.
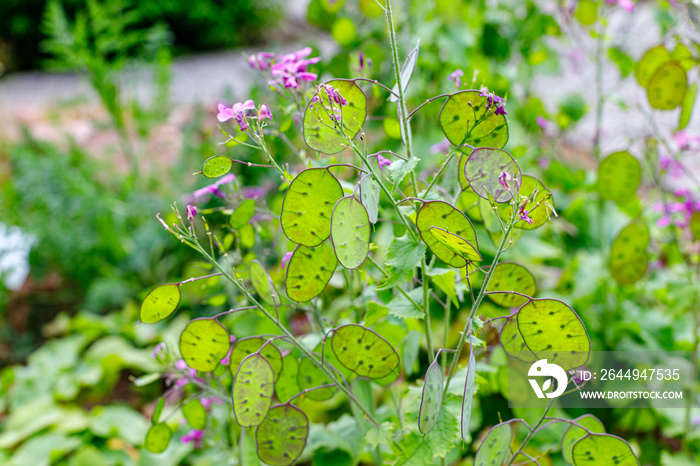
(247, 346)
(465, 120)
(252, 390)
(619, 175)
(158, 411)
(456, 244)
(510, 276)
(444, 216)
(160, 302)
(469, 390)
(311, 376)
(628, 254)
(350, 232)
(308, 205)
(574, 433)
(242, 215)
(204, 343)
(309, 271)
(282, 436)
(667, 87)
(650, 63)
(216, 166)
(431, 398)
(603, 450)
(484, 169)
(158, 438)
(402, 257)
(195, 414)
(364, 351)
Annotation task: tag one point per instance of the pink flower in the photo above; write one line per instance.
(664, 221)
(292, 68)
(191, 212)
(504, 178)
(455, 77)
(260, 61)
(542, 122)
(442, 146)
(491, 98)
(501, 110)
(285, 260)
(194, 436)
(524, 215)
(181, 365)
(627, 5)
(383, 161)
(238, 112)
(160, 348)
(264, 113)
(686, 141)
(214, 188)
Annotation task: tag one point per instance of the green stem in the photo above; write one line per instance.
(426, 309)
(401, 290)
(532, 432)
(437, 175)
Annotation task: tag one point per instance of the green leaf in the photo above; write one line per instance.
(687, 108)
(628, 254)
(216, 166)
(195, 414)
(350, 232)
(431, 398)
(406, 72)
(484, 168)
(619, 175)
(242, 215)
(667, 87)
(574, 433)
(511, 276)
(513, 342)
(495, 448)
(603, 450)
(44, 450)
(402, 257)
(363, 351)
(375, 311)
(420, 450)
(552, 330)
(282, 435)
(469, 390)
(370, 191)
(464, 119)
(456, 244)
(320, 132)
(695, 225)
(444, 216)
(311, 376)
(400, 168)
(247, 236)
(158, 411)
(160, 302)
(286, 385)
(262, 284)
(116, 421)
(401, 307)
(586, 12)
(650, 63)
(444, 279)
(624, 62)
(411, 347)
(253, 387)
(247, 346)
(308, 206)
(309, 271)
(203, 343)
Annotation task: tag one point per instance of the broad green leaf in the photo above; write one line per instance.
(242, 215)
(687, 108)
(513, 342)
(624, 62)
(465, 120)
(493, 173)
(619, 175)
(160, 302)
(247, 346)
(574, 433)
(320, 131)
(375, 311)
(282, 435)
(411, 347)
(370, 191)
(402, 257)
(469, 390)
(442, 215)
(216, 166)
(158, 411)
(363, 351)
(650, 63)
(253, 387)
(406, 72)
(204, 343)
(308, 205)
(246, 235)
(311, 376)
(628, 254)
(456, 244)
(401, 307)
(552, 330)
(286, 384)
(195, 414)
(262, 283)
(510, 276)
(422, 450)
(431, 398)
(444, 279)
(309, 271)
(158, 438)
(603, 450)
(495, 448)
(667, 87)
(350, 231)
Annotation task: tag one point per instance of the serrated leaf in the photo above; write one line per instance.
(160, 303)
(469, 390)
(487, 171)
(309, 271)
(158, 438)
(406, 72)
(242, 214)
(444, 216)
(195, 414)
(311, 376)
(247, 346)
(465, 120)
(511, 276)
(400, 168)
(619, 175)
(308, 205)
(574, 433)
(203, 343)
(431, 398)
(402, 257)
(401, 307)
(350, 230)
(458, 245)
(370, 191)
(628, 254)
(667, 87)
(216, 166)
(282, 435)
(650, 63)
(603, 450)
(420, 450)
(687, 108)
(364, 351)
(320, 133)
(286, 385)
(252, 390)
(411, 347)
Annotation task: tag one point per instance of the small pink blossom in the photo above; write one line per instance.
(442, 146)
(664, 221)
(542, 122)
(293, 67)
(237, 111)
(456, 77)
(260, 61)
(524, 216)
(214, 188)
(285, 260)
(264, 113)
(383, 161)
(181, 365)
(501, 110)
(504, 178)
(158, 350)
(684, 141)
(194, 436)
(191, 212)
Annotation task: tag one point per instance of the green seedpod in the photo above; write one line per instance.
(456, 244)
(157, 411)
(574, 433)
(628, 254)
(650, 63)
(203, 343)
(495, 448)
(493, 173)
(216, 166)
(287, 385)
(160, 303)
(350, 230)
(262, 284)
(682, 54)
(469, 390)
(247, 346)
(537, 207)
(242, 214)
(553, 330)
(513, 342)
(195, 414)
(603, 450)
(468, 202)
(687, 108)
(619, 175)
(431, 397)
(695, 225)
(443, 215)
(281, 437)
(370, 191)
(667, 87)
(311, 376)
(464, 119)
(309, 271)
(308, 205)
(252, 390)
(511, 276)
(320, 131)
(364, 351)
(158, 438)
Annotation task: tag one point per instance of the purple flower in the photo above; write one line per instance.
(334, 95)
(285, 260)
(504, 178)
(524, 215)
(686, 141)
(501, 110)
(442, 146)
(160, 348)
(260, 61)
(455, 77)
(664, 221)
(383, 161)
(181, 365)
(191, 212)
(542, 122)
(264, 113)
(361, 58)
(491, 98)
(237, 111)
(292, 68)
(214, 188)
(194, 436)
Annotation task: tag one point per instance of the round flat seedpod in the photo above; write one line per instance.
(456, 244)
(603, 450)
(350, 230)
(464, 119)
(495, 448)
(431, 397)
(628, 253)
(216, 166)
(247, 346)
(650, 63)
(158, 438)
(160, 303)
(511, 276)
(469, 390)
(252, 390)
(281, 437)
(363, 351)
(443, 215)
(667, 87)
(574, 433)
(493, 174)
(310, 376)
(309, 271)
(619, 175)
(204, 343)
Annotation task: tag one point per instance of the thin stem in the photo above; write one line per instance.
(437, 175)
(401, 290)
(426, 309)
(194, 279)
(397, 74)
(532, 432)
(303, 392)
(374, 81)
(426, 103)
